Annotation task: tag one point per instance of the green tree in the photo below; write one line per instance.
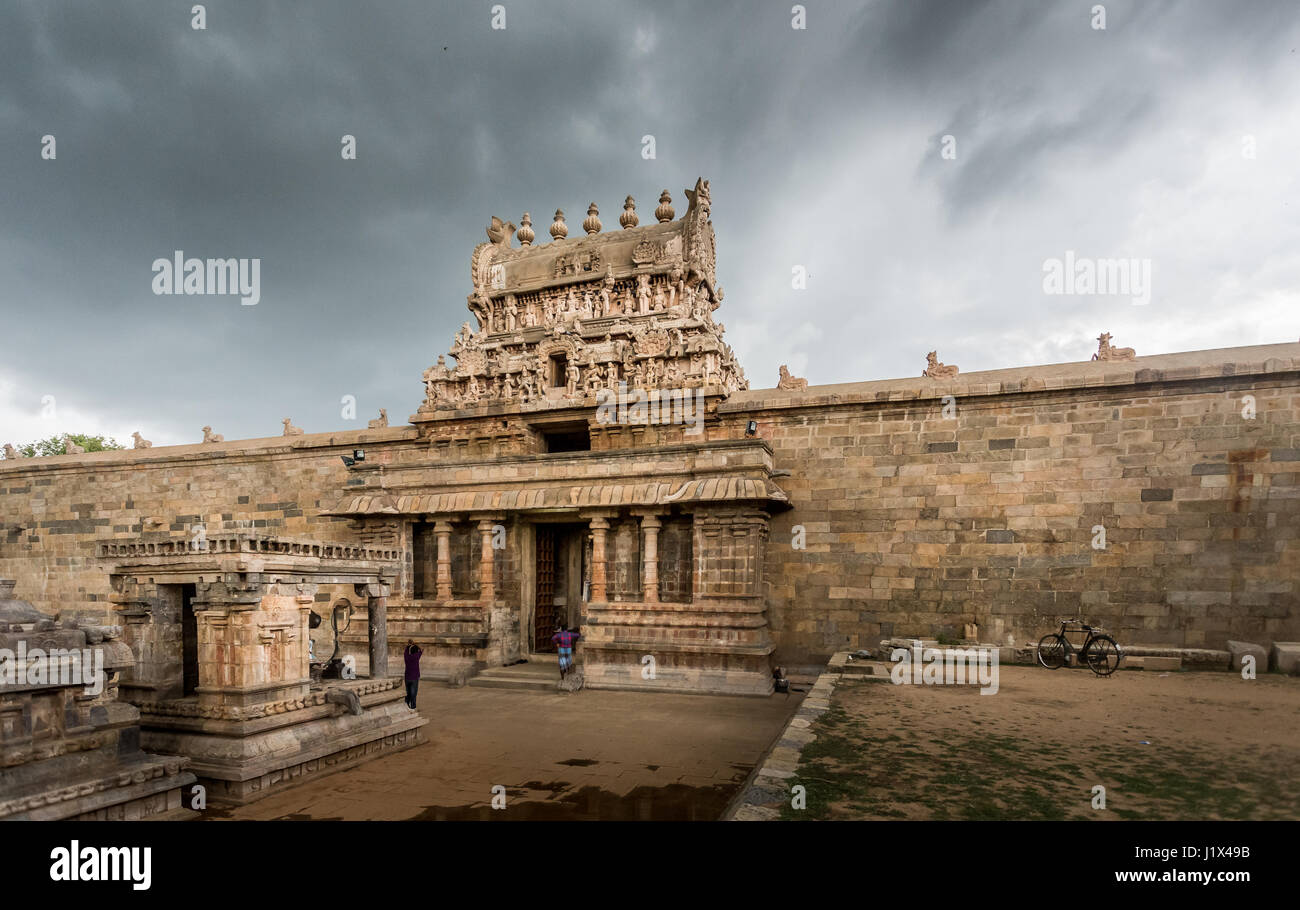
(53, 445)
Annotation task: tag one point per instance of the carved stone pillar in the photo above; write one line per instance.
(442, 531)
(487, 561)
(598, 528)
(650, 525)
(377, 600)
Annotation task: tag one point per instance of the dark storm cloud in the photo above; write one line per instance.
(225, 142)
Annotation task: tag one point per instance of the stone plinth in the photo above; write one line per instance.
(715, 648)
(68, 748)
(242, 754)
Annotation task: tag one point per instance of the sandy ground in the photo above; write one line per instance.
(1164, 746)
(590, 755)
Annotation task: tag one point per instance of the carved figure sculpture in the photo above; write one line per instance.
(1106, 352)
(140, 441)
(790, 383)
(381, 422)
(210, 437)
(606, 290)
(937, 370)
(290, 429)
(71, 448)
(571, 378)
(10, 452)
(643, 294)
(512, 312)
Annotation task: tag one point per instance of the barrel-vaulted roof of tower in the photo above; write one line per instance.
(685, 244)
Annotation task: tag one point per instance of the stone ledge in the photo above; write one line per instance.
(768, 785)
(1185, 366)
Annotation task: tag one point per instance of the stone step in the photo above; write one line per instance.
(536, 676)
(531, 685)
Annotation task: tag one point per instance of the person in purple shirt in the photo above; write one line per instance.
(564, 642)
(412, 656)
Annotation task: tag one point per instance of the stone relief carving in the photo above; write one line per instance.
(640, 312)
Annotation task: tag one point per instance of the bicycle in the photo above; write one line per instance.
(1099, 651)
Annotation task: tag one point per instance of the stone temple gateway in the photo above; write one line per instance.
(589, 452)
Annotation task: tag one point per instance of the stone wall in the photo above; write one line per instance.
(916, 520)
(920, 520)
(53, 510)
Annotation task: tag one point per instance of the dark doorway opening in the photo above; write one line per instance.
(189, 641)
(559, 368)
(575, 438)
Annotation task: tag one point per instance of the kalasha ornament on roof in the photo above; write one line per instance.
(555, 323)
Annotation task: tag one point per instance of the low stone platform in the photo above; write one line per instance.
(243, 757)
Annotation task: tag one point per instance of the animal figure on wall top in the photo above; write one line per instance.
(10, 452)
(209, 436)
(140, 441)
(1106, 352)
(936, 370)
(791, 383)
(500, 232)
(71, 448)
(290, 429)
(381, 422)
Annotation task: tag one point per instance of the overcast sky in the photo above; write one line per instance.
(1173, 135)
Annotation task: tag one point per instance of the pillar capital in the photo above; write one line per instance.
(650, 519)
(372, 591)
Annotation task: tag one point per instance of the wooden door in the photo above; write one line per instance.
(545, 615)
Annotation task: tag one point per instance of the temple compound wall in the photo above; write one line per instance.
(1159, 497)
(913, 522)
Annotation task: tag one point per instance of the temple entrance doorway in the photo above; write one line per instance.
(561, 581)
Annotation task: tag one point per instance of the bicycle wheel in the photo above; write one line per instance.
(1051, 651)
(1102, 655)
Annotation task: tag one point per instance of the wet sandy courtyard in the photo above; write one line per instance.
(591, 755)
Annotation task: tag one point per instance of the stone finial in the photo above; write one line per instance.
(559, 230)
(665, 211)
(629, 218)
(140, 441)
(591, 224)
(525, 233)
(936, 370)
(1106, 352)
(790, 383)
